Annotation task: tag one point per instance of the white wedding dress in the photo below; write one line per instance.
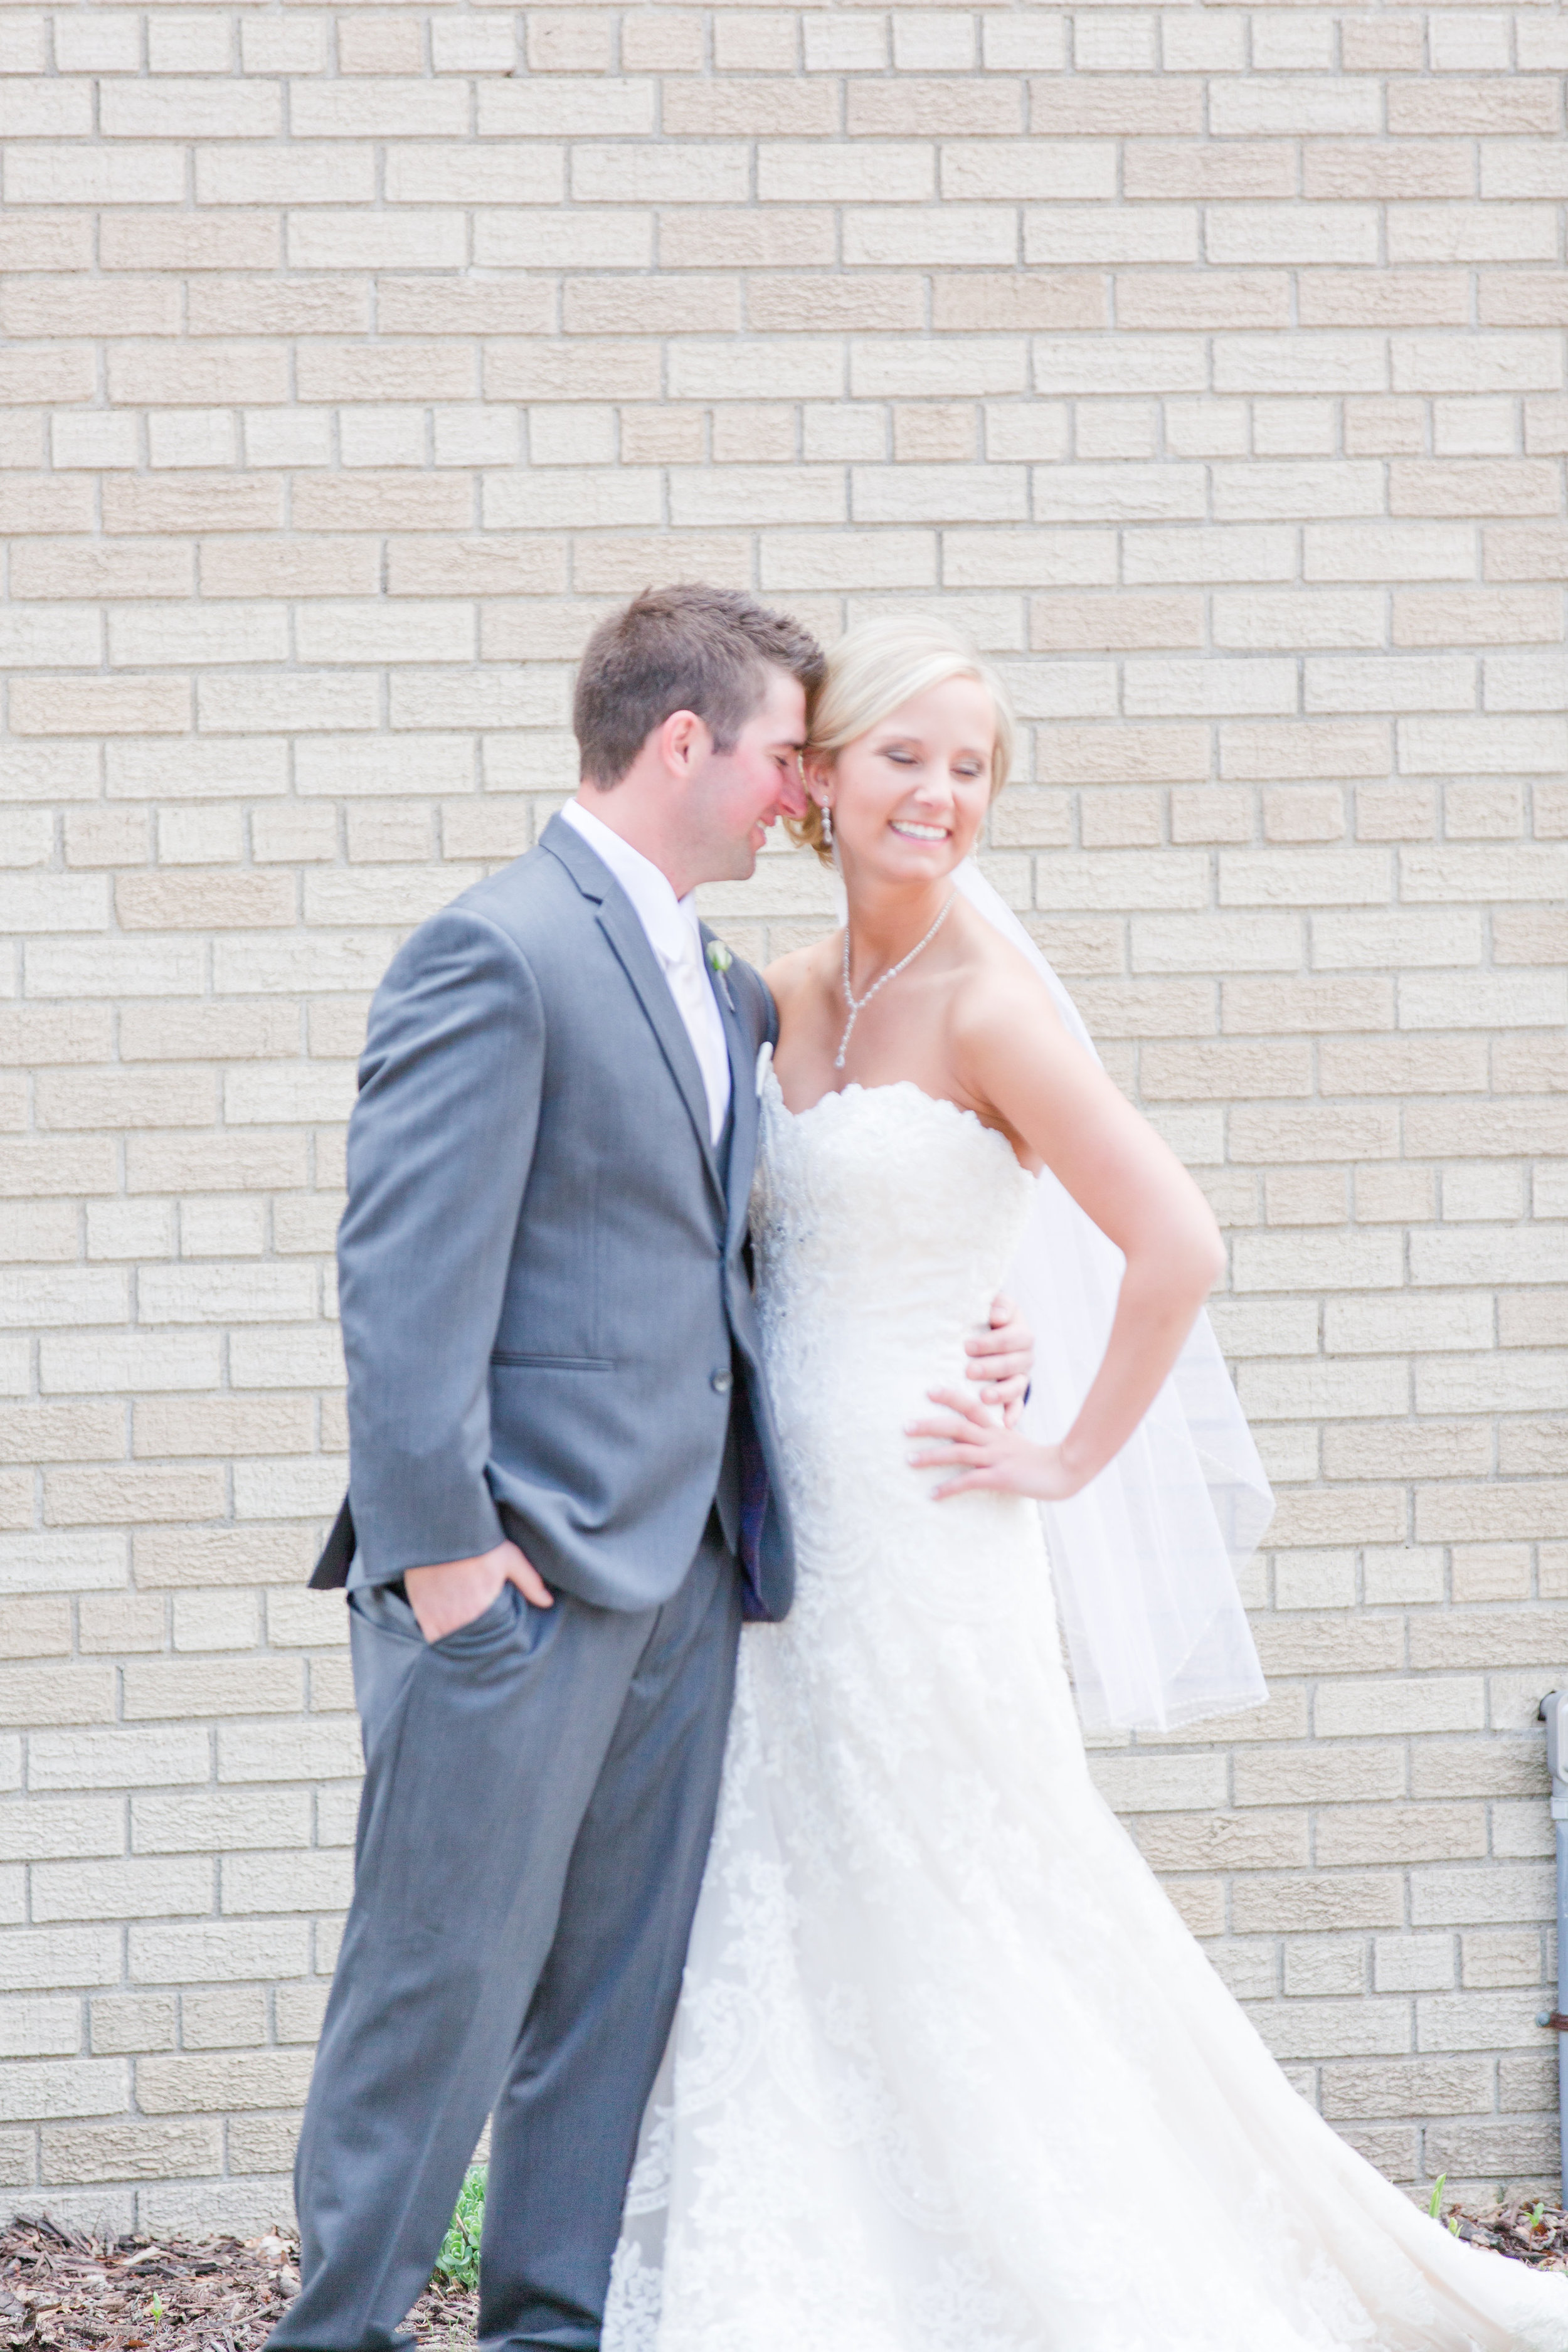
(949, 2075)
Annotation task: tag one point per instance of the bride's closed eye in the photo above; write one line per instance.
(967, 770)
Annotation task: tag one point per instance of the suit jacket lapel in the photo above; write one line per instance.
(627, 935)
(742, 1100)
(619, 919)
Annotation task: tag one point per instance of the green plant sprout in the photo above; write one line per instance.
(1435, 2207)
(458, 2260)
(157, 2308)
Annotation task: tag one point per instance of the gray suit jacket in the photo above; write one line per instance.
(546, 1303)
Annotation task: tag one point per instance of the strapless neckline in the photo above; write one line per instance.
(939, 1103)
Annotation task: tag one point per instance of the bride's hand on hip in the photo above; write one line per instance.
(1002, 1359)
(986, 1456)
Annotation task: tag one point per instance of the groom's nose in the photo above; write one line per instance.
(792, 795)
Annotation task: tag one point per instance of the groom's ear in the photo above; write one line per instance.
(684, 743)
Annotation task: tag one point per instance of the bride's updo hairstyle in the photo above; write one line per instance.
(873, 671)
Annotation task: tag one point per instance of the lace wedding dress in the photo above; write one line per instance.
(949, 2075)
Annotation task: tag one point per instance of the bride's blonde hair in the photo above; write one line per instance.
(876, 668)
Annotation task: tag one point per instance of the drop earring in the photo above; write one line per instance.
(827, 827)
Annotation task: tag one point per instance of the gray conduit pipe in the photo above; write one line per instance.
(1555, 1715)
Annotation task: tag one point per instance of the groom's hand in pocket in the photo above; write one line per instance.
(1002, 1360)
(449, 1596)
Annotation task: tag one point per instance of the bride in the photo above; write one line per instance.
(949, 2075)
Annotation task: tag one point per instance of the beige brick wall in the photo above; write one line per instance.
(1207, 362)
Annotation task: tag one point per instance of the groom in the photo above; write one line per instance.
(562, 1498)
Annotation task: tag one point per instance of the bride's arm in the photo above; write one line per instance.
(1015, 1055)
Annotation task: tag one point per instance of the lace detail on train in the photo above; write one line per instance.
(949, 2074)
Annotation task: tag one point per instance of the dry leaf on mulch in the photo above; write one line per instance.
(61, 2291)
(1536, 2234)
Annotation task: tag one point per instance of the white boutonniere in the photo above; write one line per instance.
(719, 962)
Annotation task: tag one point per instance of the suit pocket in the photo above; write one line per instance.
(509, 1357)
(494, 1623)
(460, 1773)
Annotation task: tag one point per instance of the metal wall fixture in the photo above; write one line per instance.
(1555, 1715)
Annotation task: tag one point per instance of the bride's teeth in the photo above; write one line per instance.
(922, 831)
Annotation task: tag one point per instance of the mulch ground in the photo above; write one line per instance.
(63, 2292)
(1536, 2234)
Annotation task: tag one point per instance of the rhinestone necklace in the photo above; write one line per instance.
(857, 1007)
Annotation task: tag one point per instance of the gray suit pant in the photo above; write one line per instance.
(538, 1798)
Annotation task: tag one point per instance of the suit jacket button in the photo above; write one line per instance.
(722, 1382)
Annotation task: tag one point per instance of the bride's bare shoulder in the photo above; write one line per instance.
(788, 975)
(998, 989)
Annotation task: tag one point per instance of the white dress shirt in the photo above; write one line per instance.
(671, 929)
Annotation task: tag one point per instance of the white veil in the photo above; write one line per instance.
(1146, 1559)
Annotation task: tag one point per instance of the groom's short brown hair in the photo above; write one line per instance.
(690, 647)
